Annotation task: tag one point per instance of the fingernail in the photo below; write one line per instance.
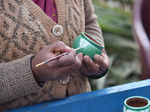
(80, 55)
(86, 56)
(96, 55)
(68, 49)
(78, 59)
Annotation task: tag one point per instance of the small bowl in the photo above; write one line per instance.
(88, 45)
(136, 104)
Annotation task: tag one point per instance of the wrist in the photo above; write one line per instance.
(35, 73)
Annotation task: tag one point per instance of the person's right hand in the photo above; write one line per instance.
(56, 69)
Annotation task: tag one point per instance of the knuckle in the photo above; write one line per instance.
(71, 58)
(106, 65)
(107, 62)
(60, 43)
(77, 65)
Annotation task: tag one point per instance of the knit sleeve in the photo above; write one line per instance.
(91, 24)
(16, 79)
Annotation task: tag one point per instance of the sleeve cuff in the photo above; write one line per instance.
(18, 79)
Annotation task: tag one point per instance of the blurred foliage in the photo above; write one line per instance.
(127, 2)
(119, 43)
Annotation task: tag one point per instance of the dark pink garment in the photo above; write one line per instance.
(49, 7)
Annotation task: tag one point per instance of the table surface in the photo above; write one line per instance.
(105, 100)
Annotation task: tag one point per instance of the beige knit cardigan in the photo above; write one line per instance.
(24, 30)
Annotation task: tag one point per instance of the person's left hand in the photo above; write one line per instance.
(95, 68)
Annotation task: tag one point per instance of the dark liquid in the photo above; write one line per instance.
(137, 102)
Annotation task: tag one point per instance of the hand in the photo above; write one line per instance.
(56, 69)
(96, 68)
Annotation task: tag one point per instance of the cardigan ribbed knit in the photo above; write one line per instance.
(24, 30)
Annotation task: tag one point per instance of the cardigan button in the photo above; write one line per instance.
(58, 30)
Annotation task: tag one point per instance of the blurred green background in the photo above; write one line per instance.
(115, 19)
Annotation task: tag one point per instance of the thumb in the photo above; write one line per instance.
(59, 47)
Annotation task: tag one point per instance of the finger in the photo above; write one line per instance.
(98, 59)
(60, 72)
(59, 47)
(67, 59)
(91, 66)
(79, 58)
(63, 61)
(72, 67)
(102, 60)
(66, 70)
(84, 69)
(51, 64)
(78, 63)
